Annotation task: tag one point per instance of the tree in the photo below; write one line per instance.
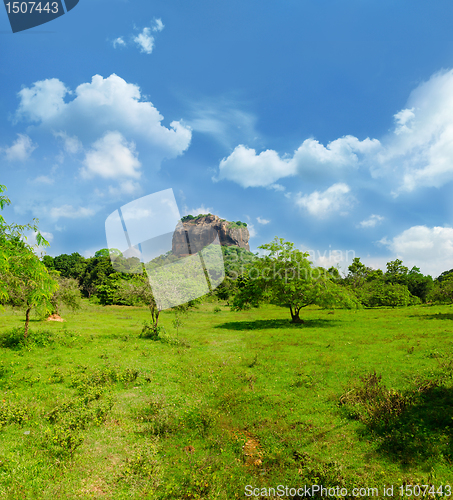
(68, 293)
(69, 266)
(419, 285)
(381, 293)
(285, 277)
(396, 272)
(357, 273)
(442, 291)
(139, 290)
(24, 280)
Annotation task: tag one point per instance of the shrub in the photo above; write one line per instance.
(372, 403)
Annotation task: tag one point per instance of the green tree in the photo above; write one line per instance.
(381, 293)
(418, 284)
(68, 293)
(357, 273)
(396, 273)
(442, 291)
(69, 266)
(24, 280)
(285, 277)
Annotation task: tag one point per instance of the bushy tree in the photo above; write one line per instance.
(24, 280)
(68, 293)
(442, 291)
(379, 293)
(285, 277)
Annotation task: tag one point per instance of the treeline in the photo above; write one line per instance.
(99, 281)
(234, 224)
(397, 286)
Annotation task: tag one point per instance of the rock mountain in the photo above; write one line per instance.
(193, 235)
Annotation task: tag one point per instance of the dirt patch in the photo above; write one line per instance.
(54, 317)
(252, 452)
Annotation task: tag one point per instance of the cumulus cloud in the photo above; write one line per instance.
(70, 212)
(248, 169)
(252, 230)
(372, 221)
(158, 25)
(99, 106)
(310, 160)
(145, 41)
(20, 150)
(118, 42)
(429, 248)
(200, 210)
(320, 204)
(262, 221)
(43, 101)
(417, 153)
(112, 157)
(71, 144)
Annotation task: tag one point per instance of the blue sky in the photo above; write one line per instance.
(327, 123)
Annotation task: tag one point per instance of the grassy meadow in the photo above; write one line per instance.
(88, 409)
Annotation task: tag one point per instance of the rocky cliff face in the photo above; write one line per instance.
(192, 236)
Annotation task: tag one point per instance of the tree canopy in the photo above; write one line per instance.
(285, 277)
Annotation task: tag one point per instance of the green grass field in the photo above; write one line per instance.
(90, 410)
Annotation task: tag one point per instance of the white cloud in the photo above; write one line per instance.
(112, 157)
(417, 153)
(321, 204)
(371, 221)
(43, 101)
(200, 210)
(71, 145)
(31, 237)
(262, 221)
(145, 41)
(402, 118)
(222, 119)
(252, 230)
(310, 160)
(429, 248)
(125, 187)
(21, 149)
(158, 25)
(69, 212)
(118, 42)
(248, 169)
(99, 106)
(43, 179)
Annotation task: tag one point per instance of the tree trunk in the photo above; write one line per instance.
(27, 321)
(295, 315)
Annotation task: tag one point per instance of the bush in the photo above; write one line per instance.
(15, 339)
(372, 403)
